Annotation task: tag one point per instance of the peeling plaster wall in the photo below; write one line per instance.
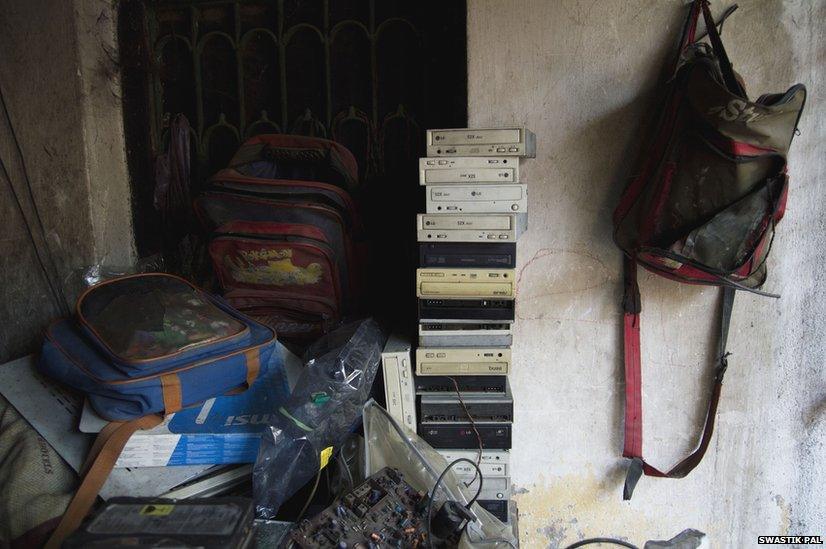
(58, 74)
(103, 135)
(582, 76)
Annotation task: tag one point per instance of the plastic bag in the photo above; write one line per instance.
(387, 444)
(323, 409)
(81, 279)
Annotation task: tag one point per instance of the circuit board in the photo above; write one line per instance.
(383, 511)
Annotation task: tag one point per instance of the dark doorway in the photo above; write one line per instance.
(371, 74)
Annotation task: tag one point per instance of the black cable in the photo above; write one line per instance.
(436, 489)
(425, 463)
(344, 464)
(309, 499)
(59, 304)
(54, 286)
(473, 426)
(327, 474)
(494, 540)
(591, 541)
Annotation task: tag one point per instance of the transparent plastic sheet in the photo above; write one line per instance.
(323, 409)
(388, 444)
(81, 279)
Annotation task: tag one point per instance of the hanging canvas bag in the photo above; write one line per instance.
(703, 207)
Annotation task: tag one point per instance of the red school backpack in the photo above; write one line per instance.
(285, 233)
(703, 207)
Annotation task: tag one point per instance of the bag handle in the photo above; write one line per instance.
(110, 443)
(100, 462)
(729, 77)
(731, 9)
(633, 386)
(690, 36)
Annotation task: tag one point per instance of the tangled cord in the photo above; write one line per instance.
(593, 541)
(436, 489)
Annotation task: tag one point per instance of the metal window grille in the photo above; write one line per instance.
(352, 71)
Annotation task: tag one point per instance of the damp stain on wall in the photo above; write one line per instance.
(573, 507)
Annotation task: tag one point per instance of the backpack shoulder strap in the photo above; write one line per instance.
(100, 462)
(633, 386)
(729, 77)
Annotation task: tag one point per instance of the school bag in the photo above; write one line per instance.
(702, 207)
(285, 235)
(296, 158)
(143, 346)
(284, 274)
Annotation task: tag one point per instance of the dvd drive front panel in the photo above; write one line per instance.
(498, 488)
(465, 384)
(468, 136)
(456, 334)
(468, 255)
(481, 222)
(466, 309)
(399, 391)
(466, 170)
(477, 198)
(470, 227)
(499, 508)
(460, 283)
(494, 463)
(447, 407)
(461, 436)
(444, 361)
(489, 470)
(497, 461)
(517, 142)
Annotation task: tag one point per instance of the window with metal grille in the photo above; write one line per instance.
(371, 74)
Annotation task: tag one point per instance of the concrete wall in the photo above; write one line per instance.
(59, 80)
(581, 76)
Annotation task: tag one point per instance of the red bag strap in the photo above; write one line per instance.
(633, 386)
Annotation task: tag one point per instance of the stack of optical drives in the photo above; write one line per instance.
(476, 210)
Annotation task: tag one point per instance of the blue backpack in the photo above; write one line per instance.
(141, 347)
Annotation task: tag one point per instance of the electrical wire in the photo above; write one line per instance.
(327, 474)
(495, 540)
(309, 499)
(54, 286)
(346, 465)
(593, 541)
(436, 489)
(473, 426)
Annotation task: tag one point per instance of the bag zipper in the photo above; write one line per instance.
(74, 362)
(99, 341)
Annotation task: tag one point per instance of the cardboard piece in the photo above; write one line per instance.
(223, 430)
(53, 412)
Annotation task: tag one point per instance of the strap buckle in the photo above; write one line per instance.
(722, 366)
(631, 302)
(635, 470)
